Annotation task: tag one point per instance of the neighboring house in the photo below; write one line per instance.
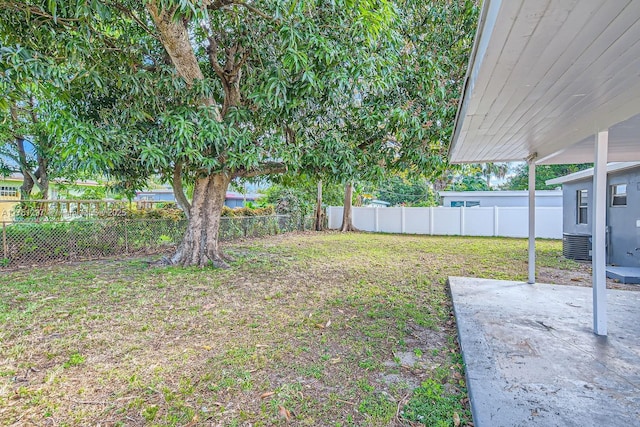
(10, 187)
(238, 200)
(232, 200)
(544, 198)
(377, 203)
(10, 191)
(622, 217)
(155, 195)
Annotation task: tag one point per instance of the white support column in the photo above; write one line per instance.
(598, 234)
(532, 221)
(496, 220)
(402, 220)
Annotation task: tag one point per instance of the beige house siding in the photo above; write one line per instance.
(9, 191)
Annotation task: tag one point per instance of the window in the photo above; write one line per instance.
(619, 195)
(582, 203)
(460, 203)
(8, 191)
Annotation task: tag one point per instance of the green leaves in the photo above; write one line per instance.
(153, 155)
(52, 6)
(372, 16)
(346, 87)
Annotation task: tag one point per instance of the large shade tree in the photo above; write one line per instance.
(403, 122)
(216, 90)
(204, 91)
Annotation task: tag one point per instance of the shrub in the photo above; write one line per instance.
(227, 211)
(247, 211)
(168, 211)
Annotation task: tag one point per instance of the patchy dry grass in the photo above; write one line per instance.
(309, 329)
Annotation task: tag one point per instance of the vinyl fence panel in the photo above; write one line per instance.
(365, 218)
(479, 222)
(446, 221)
(417, 220)
(389, 220)
(476, 221)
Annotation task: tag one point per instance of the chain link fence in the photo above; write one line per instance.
(72, 231)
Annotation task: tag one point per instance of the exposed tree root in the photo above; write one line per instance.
(220, 263)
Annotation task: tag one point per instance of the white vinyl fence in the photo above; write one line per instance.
(461, 221)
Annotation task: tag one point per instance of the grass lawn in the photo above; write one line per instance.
(310, 329)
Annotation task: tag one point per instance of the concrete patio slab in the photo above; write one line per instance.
(532, 359)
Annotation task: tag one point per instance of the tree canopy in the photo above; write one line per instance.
(407, 191)
(520, 181)
(205, 92)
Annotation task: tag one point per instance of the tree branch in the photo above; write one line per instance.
(32, 176)
(290, 135)
(178, 190)
(219, 4)
(212, 52)
(137, 19)
(38, 12)
(244, 58)
(268, 168)
(255, 10)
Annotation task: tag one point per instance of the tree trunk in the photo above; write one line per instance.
(178, 189)
(27, 181)
(26, 187)
(200, 243)
(174, 36)
(347, 212)
(42, 177)
(319, 221)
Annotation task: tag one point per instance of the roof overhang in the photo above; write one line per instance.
(545, 77)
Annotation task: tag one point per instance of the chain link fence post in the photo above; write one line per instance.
(5, 246)
(126, 236)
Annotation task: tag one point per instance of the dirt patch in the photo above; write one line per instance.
(582, 276)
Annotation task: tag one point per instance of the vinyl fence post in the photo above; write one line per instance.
(402, 219)
(462, 220)
(496, 222)
(376, 226)
(431, 221)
